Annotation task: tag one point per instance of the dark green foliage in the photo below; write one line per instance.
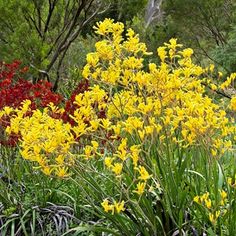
(226, 54)
(41, 32)
(51, 220)
(125, 10)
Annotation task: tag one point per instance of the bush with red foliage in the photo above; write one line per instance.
(14, 90)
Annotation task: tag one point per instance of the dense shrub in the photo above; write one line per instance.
(149, 147)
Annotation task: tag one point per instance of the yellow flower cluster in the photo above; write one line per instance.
(169, 99)
(232, 181)
(214, 209)
(115, 207)
(233, 103)
(120, 158)
(146, 107)
(44, 140)
(86, 117)
(204, 200)
(228, 81)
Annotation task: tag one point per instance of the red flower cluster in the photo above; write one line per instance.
(14, 90)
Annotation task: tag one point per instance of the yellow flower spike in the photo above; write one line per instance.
(105, 124)
(206, 195)
(211, 67)
(26, 154)
(191, 138)
(171, 53)
(146, 108)
(203, 197)
(104, 27)
(62, 172)
(220, 74)
(7, 110)
(25, 106)
(140, 188)
(42, 161)
(141, 134)
(135, 150)
(95, 145)
(119, 206)
(197, 199)
(214, 216)
(106, 206)
(173, 44)
(233, 103)
(117, 129)
(213, 87)
(152, 67)
(80, 129)
(60, 159)
(184, 133)
(104, 50)
(8, 130)
(217, 214)
(48, 147)
(214, 152)
(208, 203)
(149, 129)
(228, 81)
(144, 175)
(88, 151)
(133, 63)
(123, 144)
(162, 137)
(122, 155)
(223, 195)
(47, 170)
(162, 53)
(133, 45)
(92, 59)
(94, 124)
(187, 53)
(228, 144)
(130, 33)
(108, 161)
(54, 108)
(117, 168)
(230, 181)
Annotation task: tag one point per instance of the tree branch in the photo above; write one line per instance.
(29, 18)
(70, 40)
(71, 28)
(50, 12)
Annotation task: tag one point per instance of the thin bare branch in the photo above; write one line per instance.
(51, 8)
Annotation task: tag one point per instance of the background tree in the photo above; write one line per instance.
(125, 10)
(206, 26)
(202, 25)
(53, 36)
(41, 31)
